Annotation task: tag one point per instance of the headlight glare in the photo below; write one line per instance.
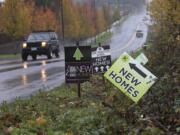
(43, 44)
(24, 45)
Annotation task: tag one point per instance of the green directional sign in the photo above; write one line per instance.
(130, 77)
(78, 55)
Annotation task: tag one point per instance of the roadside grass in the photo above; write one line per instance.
(102, 110)
(10, 56)
(137, 53)
(103, 39)
(141, 50)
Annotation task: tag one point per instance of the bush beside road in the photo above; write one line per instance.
(101, 110)
(9, 56)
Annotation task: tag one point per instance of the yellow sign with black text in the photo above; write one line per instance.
(130, 77)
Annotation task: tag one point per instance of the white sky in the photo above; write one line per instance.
(1, 0)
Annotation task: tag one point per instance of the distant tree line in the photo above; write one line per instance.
(20, 17)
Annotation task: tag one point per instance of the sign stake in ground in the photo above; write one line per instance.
(130, 77)
(79, 89)
(78, 55)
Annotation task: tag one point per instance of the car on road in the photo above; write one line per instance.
(40, 43)
(139, 33)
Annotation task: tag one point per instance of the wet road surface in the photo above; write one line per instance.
(19, 79)
(124, 39)
(24, 79)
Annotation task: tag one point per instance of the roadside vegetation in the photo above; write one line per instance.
(9, 56)
(81, 21)
(102, 110)
(103, 38)
(163, 100)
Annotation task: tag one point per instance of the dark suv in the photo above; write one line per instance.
(40, 43)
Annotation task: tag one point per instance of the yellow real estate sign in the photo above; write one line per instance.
(130, 77)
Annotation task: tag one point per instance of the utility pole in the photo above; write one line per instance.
(94, 7)
(62, 18)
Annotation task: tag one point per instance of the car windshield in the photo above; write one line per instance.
(38, 37)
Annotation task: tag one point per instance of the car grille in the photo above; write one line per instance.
(37, 44)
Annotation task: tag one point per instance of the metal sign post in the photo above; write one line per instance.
(78, 55)
(79, 89)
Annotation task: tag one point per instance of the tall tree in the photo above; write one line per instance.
(116, 14)
(86, 21)
(100, 21)
(107, 14)
(71, 20)
(44, 20)
(90, 19)
(1, 27)
(16, 19)
(166, 19)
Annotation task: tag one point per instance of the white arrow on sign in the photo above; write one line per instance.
(102, 68)
(96, 68)
(107, 67)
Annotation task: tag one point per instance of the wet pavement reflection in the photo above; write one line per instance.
(25, 65)
(43, 75)
(24, 80)
(44, 63)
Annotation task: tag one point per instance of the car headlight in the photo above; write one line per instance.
(24, 45)
(43, 44)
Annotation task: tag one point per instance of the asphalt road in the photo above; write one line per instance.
(124, 39)
(19, 79)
